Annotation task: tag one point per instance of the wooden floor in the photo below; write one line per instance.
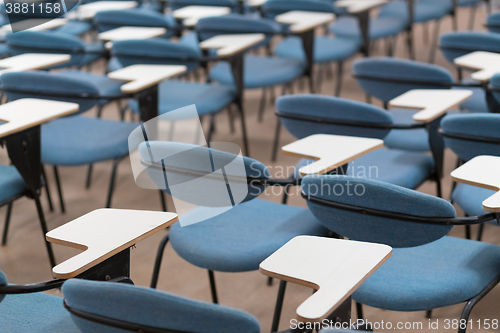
(24, 259)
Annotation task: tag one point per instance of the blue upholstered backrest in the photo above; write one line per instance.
(369, 193)
(176, 4)
(331, 108)
(32, 84)
(47, 42)
(383, 69)
(152, 308)
(112, 19)
(155, 51)
(493, 22)
(272, 8)
(236, 24)
(456, 44)
(189, 158)
(495, 83)
(3, 282)
(478, 124)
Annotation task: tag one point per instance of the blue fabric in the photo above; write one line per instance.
(37, 312)
(470, 198)
(465, 42)
(374, 194)
(176, 4)
(83, 140)
(380, 27)
(480, 124)
(260, 71)
(493, 22)
(412, 140)
(136, 17)
(4, 50)
(331, 108)
(55, 42)
(11, 184)
(152, 307)
(477, 102)
(3, 282)
(75, 28)
(423, 11)
(445, 272)
(495, 83)
(105, 86)
(273, 8)
(208, 98)
(326, 49)
(468, 3)
(239, 239)
(398, 69)
(114, 65)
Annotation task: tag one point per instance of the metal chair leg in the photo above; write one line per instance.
(279, 306)
(262, 105)
(211, 129)
(89, 176)
(480, 232)
(467, 232)
(213, 289)
(44, 231)
(6, 224)
(163, 201)
(244, 131)
(269, 281)
(47, 189)
(59, 189)
(359, 310)
(112, 182)
(159, 257)
(428, 314)
(276, 140)
(340, 69)
(432, 54)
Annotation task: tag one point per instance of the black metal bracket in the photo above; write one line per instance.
(307, 38)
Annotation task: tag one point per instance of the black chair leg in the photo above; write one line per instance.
(467, 232)
(213, 289)
(276, 140)
(432, 54)
(89, 176)
(44, 231)
(59, 189)
(112, 182)
(6, 224)
(47, 189)
(269, 281)
(163, 201)
(231, 118)
(279, 306)
(340, 69)
(262, 105)
(480, 232)
(243, 130)
(159, 257)
(211, 129)
(428, 314)
(359, 310)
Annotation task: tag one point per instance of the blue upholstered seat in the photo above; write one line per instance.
(260, 71)
(445, 272)
(4, 50)
(456, 44)
(239, 239)
(423, 10)
(272, 8)
(412, 140)
(176, 4)
(470, 198)
(326, 49)
(82, 140)
(495, 84)
(477, 102)
(152, 308)
(75, 28)
(11, 182)
(493, 22)
(380, 27)
(208, 98)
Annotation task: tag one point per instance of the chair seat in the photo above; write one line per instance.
(239, 239)
(470, 198)
(477, 102)
(11, 182)
(423, 10)
(326, 49)
(114, 64)
(445, 272)
(4, 50)
(348, 26)
(398, 167)
(38, 312)
(208, 98)
(106, 86)
(260, 71)
(75, 28)
(467, 3)
(412, 140)
(80, 140)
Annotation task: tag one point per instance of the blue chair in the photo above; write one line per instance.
(137, 17)
(386, 78)
(33, 311)
(176, 4)
(327, 49)
(454, 45)
(471, 135)
(75, 140)
(427, 269)
(304, 115)
(238, 239)
(260, 72)
(493, 22)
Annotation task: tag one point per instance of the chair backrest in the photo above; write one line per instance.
(48, 42)
(137, 17)
(470, 129)
(176, 4)
(273, 8)
(493, 22)
(355, 199)
(188, 165)
(3, 282)
(495, 85)
(337, 111)
(155, 51)
(44, 85)
(150, 307)
(386, 78)
(236, 24)
(457, 44)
